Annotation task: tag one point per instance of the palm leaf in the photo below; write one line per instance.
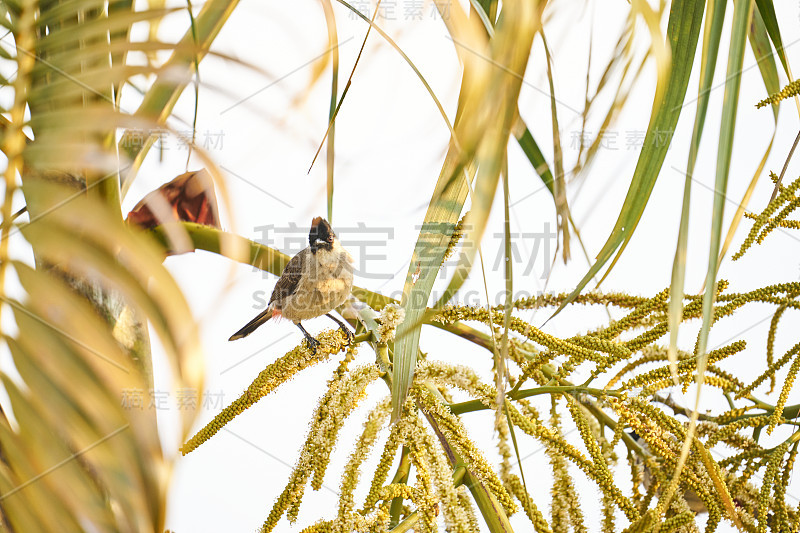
(81, 367)
(81, 343)
(759, 43)
(766, 10)
(713, 30)
(683, 30)
(741, 21)
(487, 111)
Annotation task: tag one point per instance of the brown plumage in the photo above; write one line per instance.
(315, 281)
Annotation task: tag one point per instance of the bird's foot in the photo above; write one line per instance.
(351, 337)
(311, 344)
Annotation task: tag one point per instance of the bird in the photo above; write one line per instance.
(314, 282)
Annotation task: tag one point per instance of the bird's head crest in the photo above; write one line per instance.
(321, 234)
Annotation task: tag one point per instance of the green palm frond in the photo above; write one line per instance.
(79, 437)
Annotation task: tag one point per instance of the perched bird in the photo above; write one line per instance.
(316, 280)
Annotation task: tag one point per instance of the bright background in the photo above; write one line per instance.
(262, 120)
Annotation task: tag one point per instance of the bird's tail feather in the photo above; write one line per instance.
(253, 325)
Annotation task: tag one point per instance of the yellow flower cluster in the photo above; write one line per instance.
(610, 380)
(392, 315)
(645, 308)
(352, 472)
(616, 299)
(773, 330)
(792, 89)
(786, 224)
(450, 314)
(272, 377)
(552, 438)
(664, 439)
(467, 380)
(458, 376)
(768, 484)
(382, 469)
(455, 238)
(782, 512)
(341, 398)
(434, 490)
(770, 371)
(514, 486)
(434, 469)
(456, 435)
(648, 354)
(765, 222)
(601, 473)
(734, 414)
(678, 521)
(687, 367)
(565, 509)
(788, 382)
(377, 522)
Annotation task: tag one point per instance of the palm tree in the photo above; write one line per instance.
(75, 438)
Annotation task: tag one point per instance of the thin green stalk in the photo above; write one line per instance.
(335, 109)
(477, 405)
(407, 524)
(333, 46)
(400, 476)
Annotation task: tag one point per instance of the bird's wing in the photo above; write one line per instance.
(290, 277)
